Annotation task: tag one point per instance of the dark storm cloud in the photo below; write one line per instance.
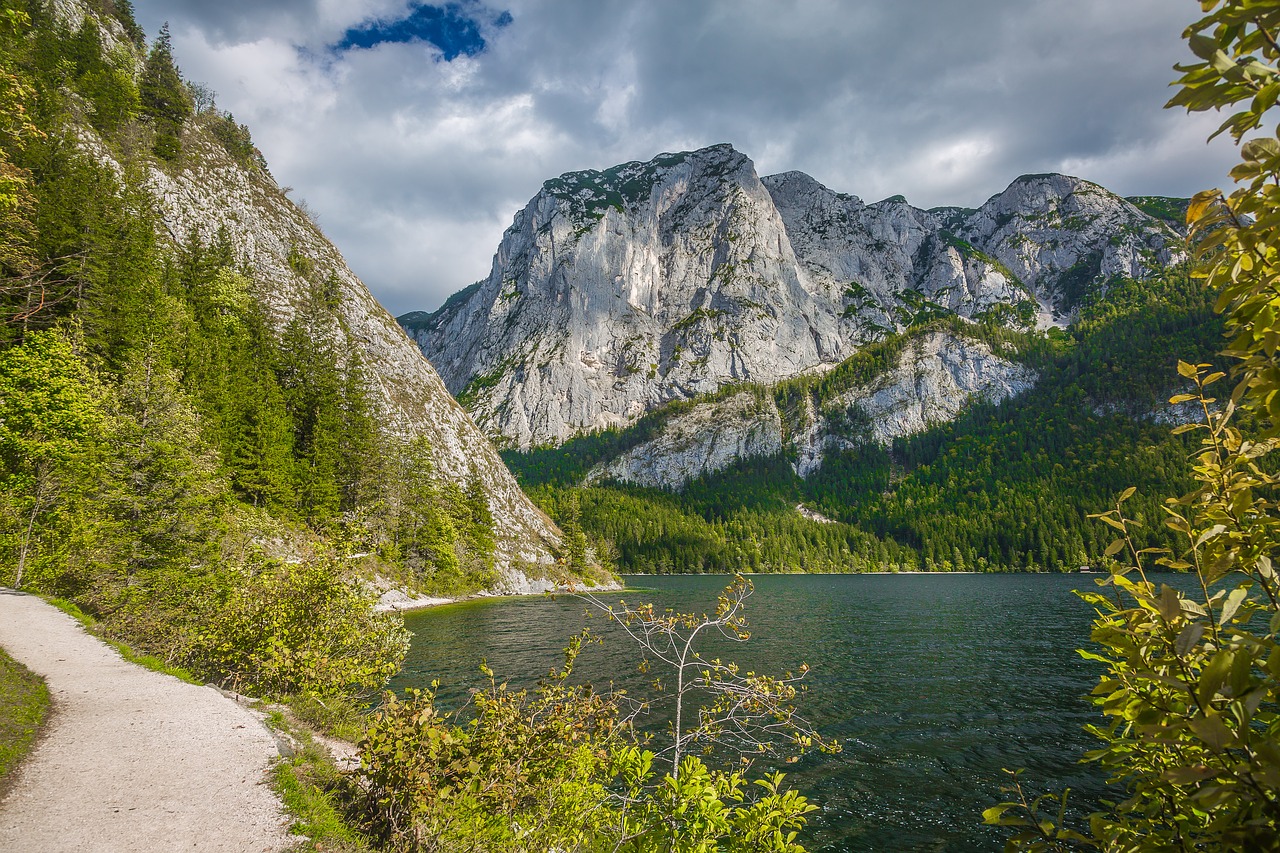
(417, 165)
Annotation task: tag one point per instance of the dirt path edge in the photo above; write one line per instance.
(130, 759)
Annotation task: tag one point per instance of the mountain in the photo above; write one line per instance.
(220, 217)
(270, 234)
(615, 293)
(948, 446)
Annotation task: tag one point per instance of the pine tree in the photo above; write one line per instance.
(164, 96)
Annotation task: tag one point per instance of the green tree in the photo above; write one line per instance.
(164, 96)
(1191, 691)
(51, 411)
(159, 488)
(575, 540)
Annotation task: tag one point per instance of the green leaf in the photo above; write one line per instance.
(1206, 535)
(1212, 731)
(1213, 675)
(1188, 638)
(1260, 148)
(1234, 599)
(1202, 46)
(1189, 775)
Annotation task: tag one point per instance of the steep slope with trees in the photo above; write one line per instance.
(1005, 485)
(212, 438)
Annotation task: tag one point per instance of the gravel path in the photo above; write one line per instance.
(131, 760)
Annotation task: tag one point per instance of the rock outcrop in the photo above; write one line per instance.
(707, 438)
(616, 292)
(931, 380)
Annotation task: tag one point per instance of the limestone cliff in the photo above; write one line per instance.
(616, 292)
(935, 376)
(931, 379)
(707, 438)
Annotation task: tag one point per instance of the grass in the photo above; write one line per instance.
(336, 716)
(316, 793)
(24, 705)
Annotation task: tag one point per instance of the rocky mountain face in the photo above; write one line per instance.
(709, 437)
(208, 191)
(930, 380)
(616, 292)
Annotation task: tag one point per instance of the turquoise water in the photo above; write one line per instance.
(933, 683)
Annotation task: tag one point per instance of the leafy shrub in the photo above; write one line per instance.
(563, 769)
(1190, 695)
(527, 773)
(298, 628)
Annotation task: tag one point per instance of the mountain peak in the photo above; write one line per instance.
(617, 291)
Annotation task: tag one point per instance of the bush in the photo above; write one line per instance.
(1190, 695)
(528, 772)
(563, 769)
(297, 628)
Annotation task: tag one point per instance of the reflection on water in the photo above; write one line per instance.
(933, 683)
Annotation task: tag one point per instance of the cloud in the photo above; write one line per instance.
(418, 152)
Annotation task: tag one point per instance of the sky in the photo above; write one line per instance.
(416, 132)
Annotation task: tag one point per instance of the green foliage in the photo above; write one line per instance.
(1171, 210)
(24, 705)
(569, 518)
(317, 796)
(1191, 688)
(49, 403)
(156, 430)
(940, 500)
(557, 769)
(123, 12)
(301, 627)
(237, 141)
(164, 97)
(76, 63)
(527, 773)
(51, 410)
(709, 810)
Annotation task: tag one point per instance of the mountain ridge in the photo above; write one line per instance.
(615, 292)
(214, 188)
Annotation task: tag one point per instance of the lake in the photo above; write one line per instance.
(933, 684)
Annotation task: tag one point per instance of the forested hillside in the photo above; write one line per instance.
(191, 446)
(1005, 486)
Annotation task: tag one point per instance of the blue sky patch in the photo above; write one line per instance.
(453, 28)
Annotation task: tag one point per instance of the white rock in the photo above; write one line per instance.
(708, 438)
(616, 292)
(935, 377)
